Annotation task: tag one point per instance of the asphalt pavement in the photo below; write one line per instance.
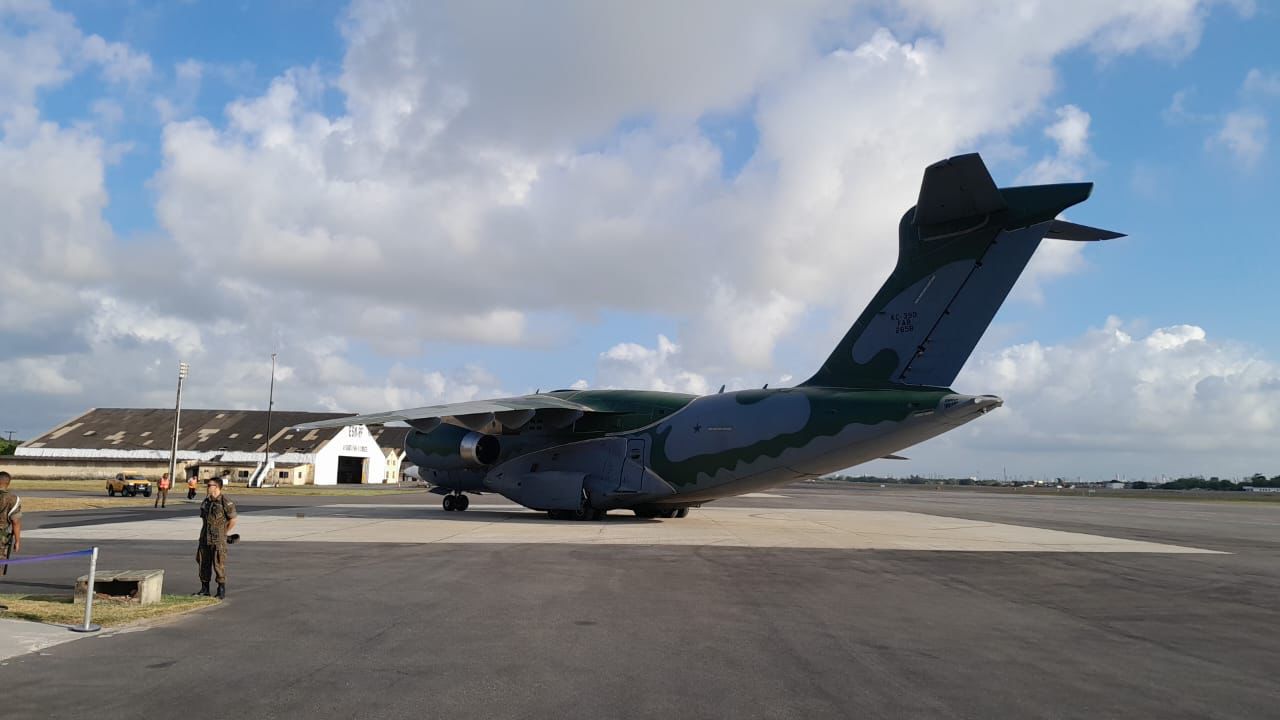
(571, 629)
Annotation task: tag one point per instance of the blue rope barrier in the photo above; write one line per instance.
(42, 558)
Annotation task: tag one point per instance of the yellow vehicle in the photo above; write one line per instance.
(128, 485)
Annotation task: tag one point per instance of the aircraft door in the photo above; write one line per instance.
(632, 479)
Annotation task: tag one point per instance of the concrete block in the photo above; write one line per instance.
(141, 586)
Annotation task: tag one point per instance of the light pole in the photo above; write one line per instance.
(271, 401)
(177, 423)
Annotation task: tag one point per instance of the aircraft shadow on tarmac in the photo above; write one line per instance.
(437, 514)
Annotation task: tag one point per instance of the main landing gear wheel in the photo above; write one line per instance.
(456, 502)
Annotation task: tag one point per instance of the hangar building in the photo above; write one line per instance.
(106, 441)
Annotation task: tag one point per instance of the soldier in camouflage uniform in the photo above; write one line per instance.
(10, 521)
(218, 517)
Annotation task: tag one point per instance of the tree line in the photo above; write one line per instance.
(1182, 483)
(1216, 483)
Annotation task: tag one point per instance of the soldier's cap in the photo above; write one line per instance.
(214, 481)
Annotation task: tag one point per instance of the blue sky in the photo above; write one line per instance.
(1194, 217)
(1159, 100)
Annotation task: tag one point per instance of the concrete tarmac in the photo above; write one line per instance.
(562, 627)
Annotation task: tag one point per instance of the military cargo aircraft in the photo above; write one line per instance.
(886, 386)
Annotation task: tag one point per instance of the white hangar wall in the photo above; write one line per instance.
(353, 446)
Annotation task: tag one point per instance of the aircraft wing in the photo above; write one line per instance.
(512, 413)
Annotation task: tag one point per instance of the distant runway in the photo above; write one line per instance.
(807, 602)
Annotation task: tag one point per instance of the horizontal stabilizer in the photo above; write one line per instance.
(1063, 230)
(957, 188)
(894, 457)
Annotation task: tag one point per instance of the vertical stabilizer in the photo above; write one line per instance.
(960, 250)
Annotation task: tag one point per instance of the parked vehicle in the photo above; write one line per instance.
(130, 485)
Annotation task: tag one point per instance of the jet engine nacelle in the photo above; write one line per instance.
(450, 447)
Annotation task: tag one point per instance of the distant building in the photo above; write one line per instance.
(1113, 485)
(106, 441)
(1250, 488)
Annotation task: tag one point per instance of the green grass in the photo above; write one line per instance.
(46, 504)
(61, 610)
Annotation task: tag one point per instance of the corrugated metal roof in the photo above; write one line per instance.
(203, 431)
(389, 438)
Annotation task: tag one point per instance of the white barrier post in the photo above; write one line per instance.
(88, 596)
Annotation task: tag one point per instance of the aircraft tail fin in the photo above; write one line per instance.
(960, 250)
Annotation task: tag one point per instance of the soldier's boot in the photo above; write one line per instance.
(204, 589)
(222, 591)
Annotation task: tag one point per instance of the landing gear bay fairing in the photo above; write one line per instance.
(886, 386)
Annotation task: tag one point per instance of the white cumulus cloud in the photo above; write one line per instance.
(1243, 134)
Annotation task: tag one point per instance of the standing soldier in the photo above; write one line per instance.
(163, 492)
(10, 521)
(218, 517)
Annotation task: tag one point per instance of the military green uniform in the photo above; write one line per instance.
(211, 553)
(10, 510)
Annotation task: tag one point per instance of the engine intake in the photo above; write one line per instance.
(450, 447)
(479, 449)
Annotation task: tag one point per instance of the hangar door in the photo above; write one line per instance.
(350, 469)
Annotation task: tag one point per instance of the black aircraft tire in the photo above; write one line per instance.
(462, 502)
(682, 512)
(448, 503)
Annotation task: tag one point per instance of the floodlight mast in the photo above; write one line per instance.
(177, 423)
(271, 401)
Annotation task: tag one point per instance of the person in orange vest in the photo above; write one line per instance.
(192, 483)
(163, 492)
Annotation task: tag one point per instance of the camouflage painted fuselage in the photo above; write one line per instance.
(672, 449)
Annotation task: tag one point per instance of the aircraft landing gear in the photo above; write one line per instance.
(457, 502)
